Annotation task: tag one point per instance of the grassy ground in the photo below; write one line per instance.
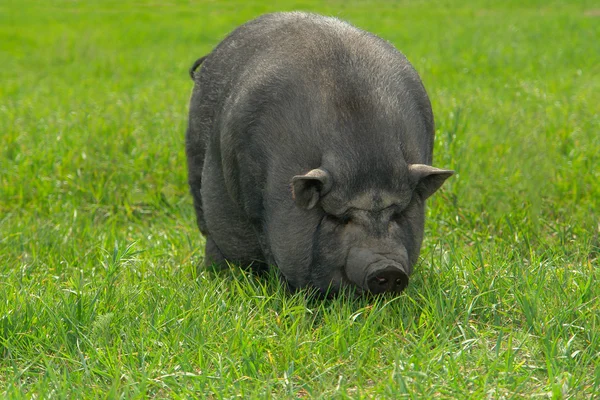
(98, 291)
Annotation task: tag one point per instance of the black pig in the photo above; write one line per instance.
(309, 147)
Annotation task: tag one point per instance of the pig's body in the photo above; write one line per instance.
(309, 145)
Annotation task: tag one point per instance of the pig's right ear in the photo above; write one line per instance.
(309, 188)
(427, 179)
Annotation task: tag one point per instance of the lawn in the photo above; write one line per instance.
(99, 293)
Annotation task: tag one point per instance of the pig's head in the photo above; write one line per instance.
(370, 238)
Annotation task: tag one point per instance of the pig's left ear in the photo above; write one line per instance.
(307, 189)
(427, 179)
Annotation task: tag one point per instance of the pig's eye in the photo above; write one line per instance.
(397, 217)
(340, 219)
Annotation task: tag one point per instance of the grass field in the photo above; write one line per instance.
(99, 295)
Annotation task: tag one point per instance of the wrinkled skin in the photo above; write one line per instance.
(309, 148)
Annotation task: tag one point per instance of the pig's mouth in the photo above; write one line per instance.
(380, 278)
(336, 284)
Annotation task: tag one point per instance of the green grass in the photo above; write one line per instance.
(99, 296)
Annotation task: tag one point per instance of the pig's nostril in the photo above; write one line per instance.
(388, 279)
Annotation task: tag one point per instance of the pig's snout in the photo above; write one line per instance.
(376, 272)
(388, 278)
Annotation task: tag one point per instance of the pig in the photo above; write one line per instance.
(309, 149)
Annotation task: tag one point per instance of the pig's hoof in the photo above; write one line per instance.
(213, 258)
